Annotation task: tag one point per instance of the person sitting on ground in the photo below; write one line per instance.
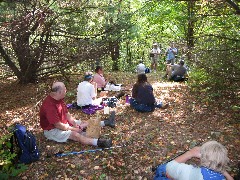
(143, 99)
(141, 67)
(59, 125)
(177, 72)
(102, 84)
(86, 91)
(213, 159)
(99, 78)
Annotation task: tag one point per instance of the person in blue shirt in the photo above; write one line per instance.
(170, 53)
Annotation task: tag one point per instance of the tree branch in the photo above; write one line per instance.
(234, 6)
(9, 62)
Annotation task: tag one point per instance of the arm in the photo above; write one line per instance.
(94, 92)
(66, 127)
(194, 152)
(174, 50)
(227, 176)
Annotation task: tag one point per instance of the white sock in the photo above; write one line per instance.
(95, 142)
(102, 123)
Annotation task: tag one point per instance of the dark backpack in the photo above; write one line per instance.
(26, 144)
(147, 70)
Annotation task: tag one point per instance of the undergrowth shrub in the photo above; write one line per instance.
(7, 167)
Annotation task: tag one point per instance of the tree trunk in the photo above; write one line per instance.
(114, 47)
(190, 32)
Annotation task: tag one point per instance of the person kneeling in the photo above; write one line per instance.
(59, 125)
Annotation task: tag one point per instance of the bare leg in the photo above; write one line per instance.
(80, 138)
(152, 64)
(169, 71)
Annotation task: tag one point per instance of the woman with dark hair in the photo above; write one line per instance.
(143, 99)
(99, 79)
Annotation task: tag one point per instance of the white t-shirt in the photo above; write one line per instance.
(156, 52)
(182, 171)
(141, 68)
(85, 93)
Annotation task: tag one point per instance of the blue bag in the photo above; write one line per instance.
(160, 173)
(147, 70)
(26, 142)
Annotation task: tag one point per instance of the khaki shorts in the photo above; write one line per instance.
(59, 135)
(154, 60)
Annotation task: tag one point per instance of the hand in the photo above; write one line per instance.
(83, 125)
(195, 152)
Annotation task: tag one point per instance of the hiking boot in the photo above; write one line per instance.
(159, 105)
(111, 121)
(104, 143)
(165, 106)
(119, 95)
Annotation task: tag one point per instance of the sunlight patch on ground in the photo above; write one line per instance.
(167, 84)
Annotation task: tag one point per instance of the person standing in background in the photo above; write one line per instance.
(154, 54)
(170, 53)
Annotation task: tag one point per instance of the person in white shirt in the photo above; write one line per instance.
(154, 54)
(141, 68)
(86, 91)
(213, 163)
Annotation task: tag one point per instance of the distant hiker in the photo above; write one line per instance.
(177, 72)
(86, 90)
(59, 125)
(143, 99)
(213, 159)
(170, 54)
(154, 55)
(141, 67)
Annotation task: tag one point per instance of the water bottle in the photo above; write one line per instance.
(106, 109)
(127, 99)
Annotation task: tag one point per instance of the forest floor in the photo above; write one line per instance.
(147, 138)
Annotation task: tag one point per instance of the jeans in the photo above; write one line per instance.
(141, 107)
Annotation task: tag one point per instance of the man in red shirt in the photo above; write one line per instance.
(59, 125)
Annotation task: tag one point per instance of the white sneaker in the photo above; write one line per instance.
(155, 71)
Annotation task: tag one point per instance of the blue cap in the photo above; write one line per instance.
(87, 77)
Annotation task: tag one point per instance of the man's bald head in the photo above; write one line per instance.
(58, 86)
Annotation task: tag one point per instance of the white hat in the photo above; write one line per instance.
(155, 44)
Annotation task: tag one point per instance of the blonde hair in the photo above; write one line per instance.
(214, 156)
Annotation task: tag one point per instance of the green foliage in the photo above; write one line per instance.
(7, 168)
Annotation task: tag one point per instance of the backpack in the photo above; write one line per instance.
(147, 70)
(26, 143)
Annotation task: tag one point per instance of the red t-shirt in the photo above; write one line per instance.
(51, 112)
